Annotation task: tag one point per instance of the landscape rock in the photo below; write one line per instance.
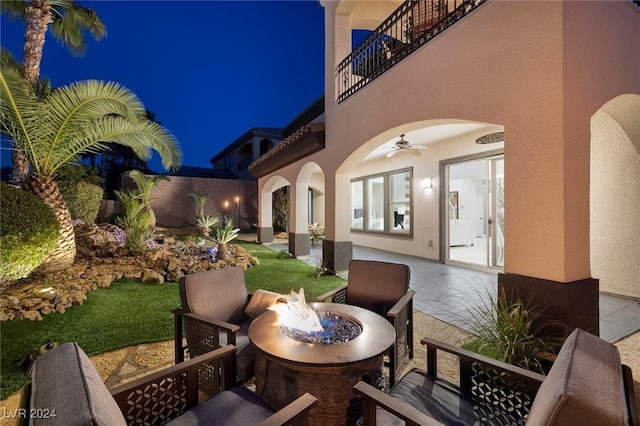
(101, 259)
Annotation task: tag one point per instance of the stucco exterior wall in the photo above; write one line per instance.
(538, 70)
(173, 206)
(520, 65)
(615, 216)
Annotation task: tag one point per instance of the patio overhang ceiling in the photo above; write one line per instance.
(305, 141)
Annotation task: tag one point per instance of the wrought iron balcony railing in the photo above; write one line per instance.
(410, 26)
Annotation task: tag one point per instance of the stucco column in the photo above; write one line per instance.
(547, 216)
(337, 248)
(299, 242)
(265, 216)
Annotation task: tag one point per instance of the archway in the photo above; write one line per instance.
(307, 209)
(265, 214)
(615, 195)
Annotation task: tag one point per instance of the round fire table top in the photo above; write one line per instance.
(376, 337)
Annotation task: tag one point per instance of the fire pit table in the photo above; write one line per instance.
(287, 368)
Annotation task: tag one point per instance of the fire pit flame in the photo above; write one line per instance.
(294, 313)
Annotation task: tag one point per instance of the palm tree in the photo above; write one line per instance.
(145, 184)
(69, 21)
(73, 120)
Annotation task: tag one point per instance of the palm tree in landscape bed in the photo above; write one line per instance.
(71, 121)
(69, 21)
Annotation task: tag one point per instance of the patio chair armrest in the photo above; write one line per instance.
(373, 398)
(629, 391)
(224, 326)
(296, 413)
(339, 293)
(401, 304)
(174, 389)
(466, 360)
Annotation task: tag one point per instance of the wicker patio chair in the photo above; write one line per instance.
(215, 311)
(66, 389)
(382, 287)
(587, 385)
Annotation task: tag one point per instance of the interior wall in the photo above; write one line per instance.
(615, 207)
(426, 204)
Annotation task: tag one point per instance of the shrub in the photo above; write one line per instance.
(513, 332)
(28, 233)
(135, 220)
(83, 200)
(206, 222)
(224, 235)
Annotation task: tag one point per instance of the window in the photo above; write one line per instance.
(382, 203)
(228, 161)
(357, 197)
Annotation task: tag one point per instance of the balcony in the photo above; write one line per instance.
(409, 27)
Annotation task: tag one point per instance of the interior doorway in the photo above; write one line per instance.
(474, 212)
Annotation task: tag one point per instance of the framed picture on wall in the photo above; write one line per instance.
(453, 205)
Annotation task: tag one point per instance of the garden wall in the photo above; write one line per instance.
(174, 207)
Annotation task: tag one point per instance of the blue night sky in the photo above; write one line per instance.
(210, 70)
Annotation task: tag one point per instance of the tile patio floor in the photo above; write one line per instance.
(451, 293)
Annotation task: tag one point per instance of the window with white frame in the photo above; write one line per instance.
(357, 204)
(382, 203)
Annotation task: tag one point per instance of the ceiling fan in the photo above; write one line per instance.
(404, 146)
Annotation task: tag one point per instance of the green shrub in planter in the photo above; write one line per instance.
(83, 200)
(28, 233)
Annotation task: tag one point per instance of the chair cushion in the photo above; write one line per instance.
(442, 402)
(245, 355)
(377, 286)
(585, 385)
(236, 406)
(260, 302)
(218, 293)
(65, 380)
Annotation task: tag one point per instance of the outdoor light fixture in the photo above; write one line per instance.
(491, 138)
(428, 183)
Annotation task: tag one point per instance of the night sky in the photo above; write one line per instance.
(209, 70)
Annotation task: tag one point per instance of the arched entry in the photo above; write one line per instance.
(265, 215)
(398, 201)
(615, 195)
(307, 209)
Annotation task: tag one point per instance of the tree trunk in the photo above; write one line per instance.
(64, 253)
(20, 167)
(37, 17)
(222, 252)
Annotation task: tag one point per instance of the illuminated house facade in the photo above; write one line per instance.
(500, 135)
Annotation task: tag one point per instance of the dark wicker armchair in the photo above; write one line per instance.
(216, 311)
(66, 389)
(587, 385)
(382, 287)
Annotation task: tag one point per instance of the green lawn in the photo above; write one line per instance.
(129, 313)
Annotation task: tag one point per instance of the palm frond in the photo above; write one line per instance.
(79, 119)
(141, 137)
(74, 105)
(70, 23)
(13, 10)
(19, 111)
(7, 60)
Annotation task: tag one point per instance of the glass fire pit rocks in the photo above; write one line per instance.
(337, 329)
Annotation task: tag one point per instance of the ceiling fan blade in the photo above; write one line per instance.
(419, 147)
(392, 153)
(384, 148)
(412, 151)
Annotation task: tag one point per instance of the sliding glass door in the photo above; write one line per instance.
(474, 212)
